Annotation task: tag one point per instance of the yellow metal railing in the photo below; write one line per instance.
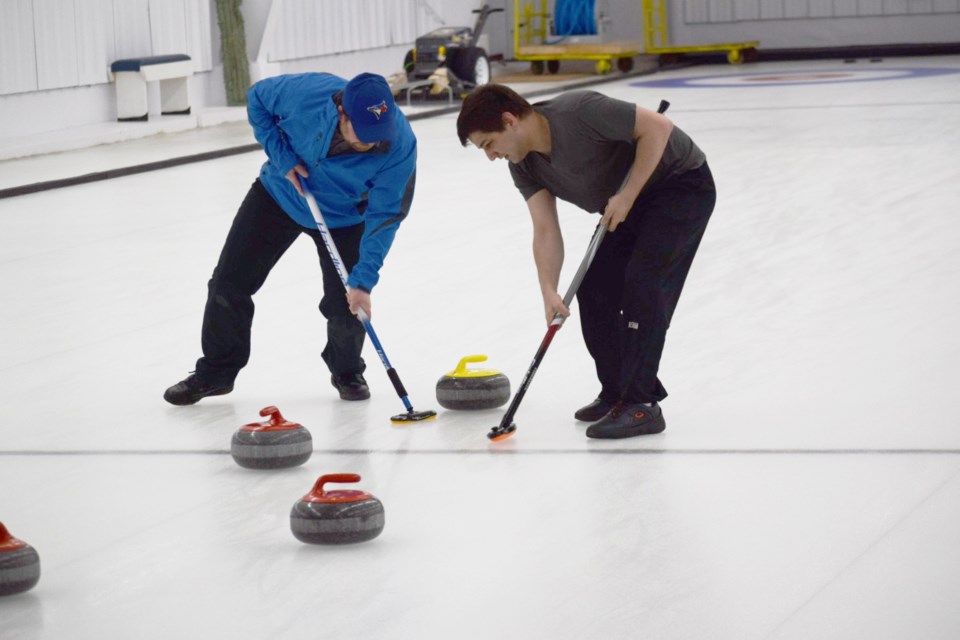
(534, 31)
(654, 24)
(655, 39)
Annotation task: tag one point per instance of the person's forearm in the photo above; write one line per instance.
(548, 256)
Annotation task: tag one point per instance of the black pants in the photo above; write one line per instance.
(631, 290)
(260, 234)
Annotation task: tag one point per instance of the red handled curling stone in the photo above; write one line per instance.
(19, 564)
(470, 389)
(274, 444)
(336, 517)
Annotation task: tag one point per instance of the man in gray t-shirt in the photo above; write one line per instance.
(653, 187)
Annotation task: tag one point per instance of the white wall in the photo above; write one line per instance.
(56, 44)
(800, 24)
(54, 54)
(54, 63)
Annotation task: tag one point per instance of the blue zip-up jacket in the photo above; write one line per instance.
(295, 117)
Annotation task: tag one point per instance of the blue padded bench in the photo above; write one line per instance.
(132, 75)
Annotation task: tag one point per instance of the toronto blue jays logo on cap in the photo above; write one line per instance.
(378, 109)
(368, 102)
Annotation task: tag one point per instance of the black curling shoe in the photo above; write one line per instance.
(594, 411)
(191, 390)
(351, 386)
(629, 420)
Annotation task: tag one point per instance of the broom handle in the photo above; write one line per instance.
(364, 318)
(598, 236)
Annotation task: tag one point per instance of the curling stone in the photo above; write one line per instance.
(465, 388)
(19, 564)
(336, 517)
(274, 444)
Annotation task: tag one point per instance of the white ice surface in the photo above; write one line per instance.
(807, 485)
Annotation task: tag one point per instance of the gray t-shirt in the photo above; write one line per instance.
(592, 149)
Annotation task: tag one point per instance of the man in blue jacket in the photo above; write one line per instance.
(352, 148)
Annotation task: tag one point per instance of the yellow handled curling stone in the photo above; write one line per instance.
(470, 389)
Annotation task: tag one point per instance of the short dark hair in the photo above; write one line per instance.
(483, 109)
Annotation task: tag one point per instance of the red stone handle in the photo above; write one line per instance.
(332, 477)
(275, 418)
(317, 494)
(276, 422)
(8, 542)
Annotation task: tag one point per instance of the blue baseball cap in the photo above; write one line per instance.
(368, 102)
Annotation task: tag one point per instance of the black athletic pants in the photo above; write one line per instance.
(260, 234)
(629, 294)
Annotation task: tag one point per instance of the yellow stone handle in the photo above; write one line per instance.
(462, 372)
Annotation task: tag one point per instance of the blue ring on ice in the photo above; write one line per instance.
(789, 78)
